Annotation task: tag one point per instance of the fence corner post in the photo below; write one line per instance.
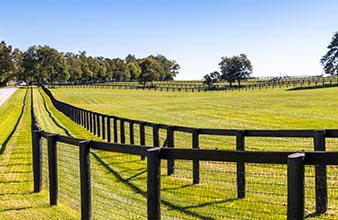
(240, 145)
(154, 184)
(85, 181)
(296, 189)
(320, 174)
(37, 160)
(52, 169)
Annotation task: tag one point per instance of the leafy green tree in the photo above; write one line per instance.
(235, 68)
(134, 70)
(210, 79)
(17, 57)
(87, 74)
(103, 70)
(6, 64)
(119, 70)
(31, 65)
(94, 67)
(52, 64)
(74, 65)
(130, 58)
(150, 71)
(169, 67)
(330, 59)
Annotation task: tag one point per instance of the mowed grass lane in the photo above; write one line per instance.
(258, 109)
(273, 109)
(17, 200)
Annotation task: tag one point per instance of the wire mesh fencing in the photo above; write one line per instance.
(69, 175)
(118, 183)
(216, 196)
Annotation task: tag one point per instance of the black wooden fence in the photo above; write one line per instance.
(199, 87)
(100, 125)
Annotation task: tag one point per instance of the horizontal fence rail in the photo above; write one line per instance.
(176, 86)
(114, 129)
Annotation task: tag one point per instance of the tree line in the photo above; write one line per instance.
(43, 64)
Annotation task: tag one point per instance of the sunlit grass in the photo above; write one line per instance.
(215, 197)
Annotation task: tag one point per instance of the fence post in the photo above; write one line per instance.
(52, 169)
(153, 184)
(91, 121)
(131, 132)
(115, 130)
(320, 174)
(85, 180)
(142, 137)
(103, 127)
(195, 163)
(84, 112)
(94, 123)
(108, 129)
(122, 134)
(240, 145)
(98, 125)
(295, 186)
(37, 160)
(170, 144)
(156, 138)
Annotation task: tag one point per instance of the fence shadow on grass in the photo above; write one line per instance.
(51, 116)
(134, 188)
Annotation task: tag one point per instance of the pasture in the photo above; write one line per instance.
(119, 181)
(280, 109)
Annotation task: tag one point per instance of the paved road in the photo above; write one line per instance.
(5, 93)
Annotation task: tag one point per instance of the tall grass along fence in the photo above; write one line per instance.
(241, 166)
(195, 86)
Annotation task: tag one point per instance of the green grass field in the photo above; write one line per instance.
(272, 109)
(119, 181)
(16, 177)
(266, 109)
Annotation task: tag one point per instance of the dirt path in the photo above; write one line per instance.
(5, 93)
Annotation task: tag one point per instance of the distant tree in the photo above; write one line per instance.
(150, 71)
(87, 73)
(94, 67)
(17, 57)
(119, 70)
(6, 64)
(169, 67)
(74, 65)
(330, 59)
(130, 58)
(211, 78)
(103, 68)
(31, 65)
(134, 70)
(235, 68)
(52, 64)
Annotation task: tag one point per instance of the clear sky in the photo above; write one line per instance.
(279, 36)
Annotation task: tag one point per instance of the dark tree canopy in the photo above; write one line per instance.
(150, 70)
(235, 68)
(330, 59)
(211, 78)
(6, 63)
(44, 64)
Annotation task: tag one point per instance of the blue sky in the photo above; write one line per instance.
(279, 36)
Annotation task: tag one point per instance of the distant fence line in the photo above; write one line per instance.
(199, 87)
(101, 125)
